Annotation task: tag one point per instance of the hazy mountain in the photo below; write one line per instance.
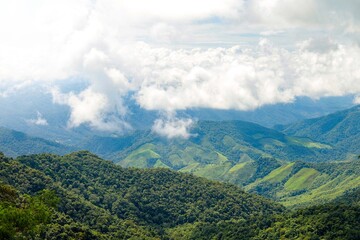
(22, 114)
(33, 112)
(14, 143)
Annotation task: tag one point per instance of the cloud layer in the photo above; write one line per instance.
(162, 54)
(40, 120)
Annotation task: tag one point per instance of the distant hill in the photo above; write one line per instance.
(210, 142)
(231, 151)
(14, 143)
(340, 129)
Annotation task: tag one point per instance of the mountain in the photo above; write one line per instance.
(210, 142)
(14, 143)
(340, 129)
(242, 153)
(112, 202)
(298, 184)
(281, 113)
(233, 151)
(80, 196)
(259, 159)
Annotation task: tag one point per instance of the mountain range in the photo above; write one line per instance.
(20, 114)
(14, 143)
(297, 164)
(80, 196)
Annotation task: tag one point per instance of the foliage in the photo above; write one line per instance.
(121, 203)
(22, 216)
(79, 196)
(319, 222)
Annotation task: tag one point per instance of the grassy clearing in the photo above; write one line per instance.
(279, 174)
(308, 143)
(302, 179)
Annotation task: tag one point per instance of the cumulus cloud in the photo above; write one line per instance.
(173, 127)
(91, 107)
(99, 41)
(244, 79)
(223, 78)
(357, 100)
(40, 120)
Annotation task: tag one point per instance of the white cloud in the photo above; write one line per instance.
(40, 120)
(172, 127)
(92, 108)
(98, 41)
(320, 45)
(234, 78)
(162, 32)
(357, 100)
(244, 79)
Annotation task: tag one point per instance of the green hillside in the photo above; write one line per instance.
(211, 142)
(106, 200)
(225, 151)
(297, 184)
(79, 196)
(340, 129)
(236, 152)
(259, 159)
(14, 143)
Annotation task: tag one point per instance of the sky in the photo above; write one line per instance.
(171, 55)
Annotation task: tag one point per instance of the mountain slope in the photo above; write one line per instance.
(340, 129)
(233, 140)
(99, 200)
(14, 143)
(227, 151)
(131, 202)
(298, 183)
(243, 153)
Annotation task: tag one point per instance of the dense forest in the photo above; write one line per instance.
(80, 196)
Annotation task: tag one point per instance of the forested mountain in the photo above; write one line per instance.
(14, 143)
(235, 151)
(118, 202)
(79, 196)
(340, 129)
(259, 159)
(210, 143)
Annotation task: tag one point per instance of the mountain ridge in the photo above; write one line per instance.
(14, 143)
(80, 196)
